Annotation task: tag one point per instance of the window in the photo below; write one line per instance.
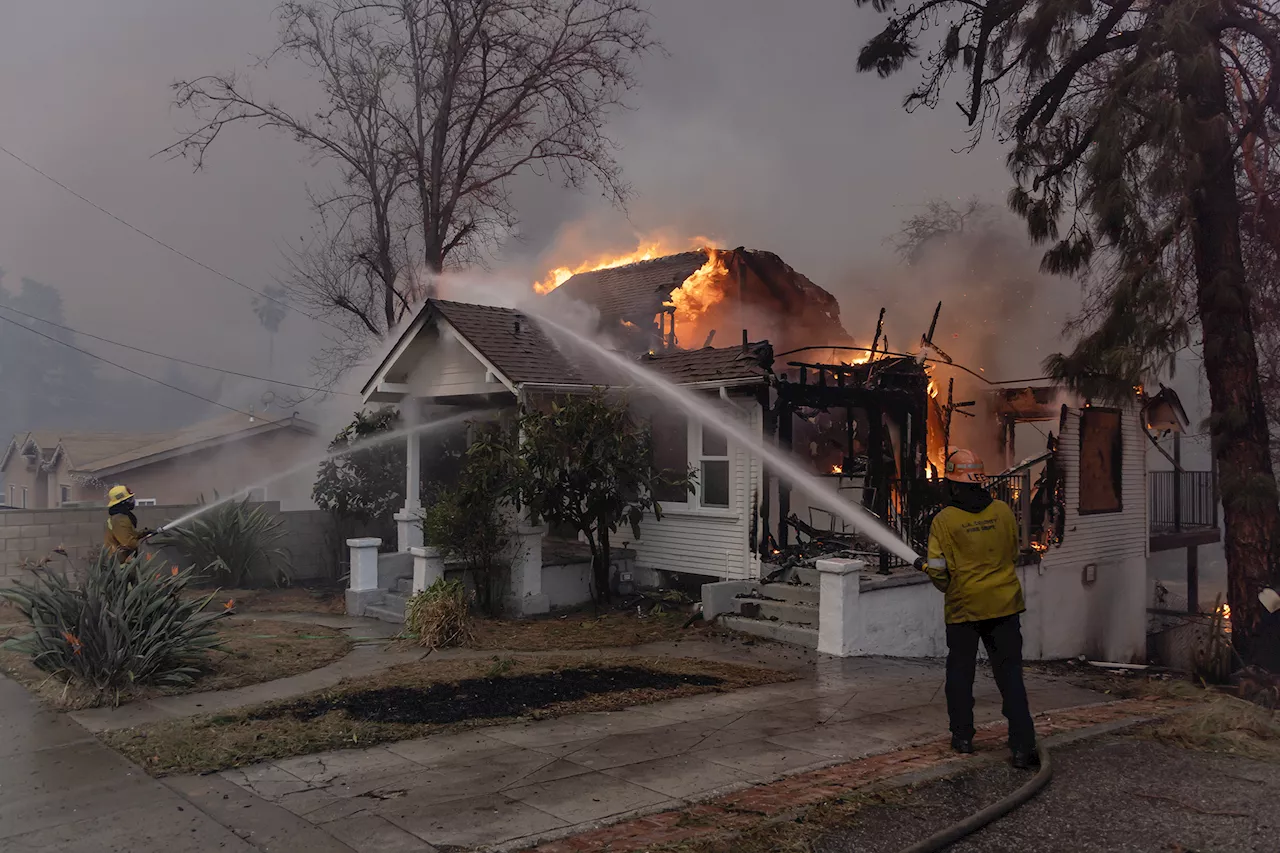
(24, 497)
(13, 496)
(671, 454)
(144, 501)
(1101, 453)
(64, 494)
(713, 470)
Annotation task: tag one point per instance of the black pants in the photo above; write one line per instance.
(1003, 641)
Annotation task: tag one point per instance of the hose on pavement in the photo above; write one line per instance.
(977, 820)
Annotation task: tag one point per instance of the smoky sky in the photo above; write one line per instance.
(753, 128)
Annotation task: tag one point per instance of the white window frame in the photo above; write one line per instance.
(698, 459)
(24, 497)
(144, 501)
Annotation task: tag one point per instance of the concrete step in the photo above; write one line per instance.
(785, 611)
(783, 632)
(789, 592)
(385, 614)
(404, 586)
(806, 575)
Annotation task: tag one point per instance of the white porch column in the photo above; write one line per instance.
(408, 520)
(428, 567)
(839, 626)
(363, 589)
(526, 597)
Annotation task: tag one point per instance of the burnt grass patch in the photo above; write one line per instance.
(485, 698)
(427, 697)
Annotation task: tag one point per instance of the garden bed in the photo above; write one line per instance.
(415, 700)
(254, 651)
(278, 600)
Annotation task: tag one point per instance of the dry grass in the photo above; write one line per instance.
(248, 735)
(577, 631)
(1223, 723)
(254, 651)
(285, 600)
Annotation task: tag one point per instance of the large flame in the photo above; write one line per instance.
(696, 296)
(647, 250)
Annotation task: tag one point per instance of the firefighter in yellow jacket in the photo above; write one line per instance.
(122, 536)
(973, 555)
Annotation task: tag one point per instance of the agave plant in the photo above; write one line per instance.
(233, 543)
(126, 624)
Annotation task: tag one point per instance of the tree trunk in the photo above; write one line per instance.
(602, 563)
(1238, 421)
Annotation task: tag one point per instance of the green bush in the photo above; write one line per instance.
(127, 624)
(440, 615)
(233, 544)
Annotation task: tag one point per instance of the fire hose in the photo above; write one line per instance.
(977, 820)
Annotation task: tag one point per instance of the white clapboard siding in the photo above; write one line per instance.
(447, 368)
(1110, 537)
(710, 542)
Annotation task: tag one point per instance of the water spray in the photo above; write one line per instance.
(709, 416)
(371, 441)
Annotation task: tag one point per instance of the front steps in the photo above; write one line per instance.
(785, 611)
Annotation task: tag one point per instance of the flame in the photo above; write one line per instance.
(699, 292)
(837, 469)
(646, 251)
(1225, 612)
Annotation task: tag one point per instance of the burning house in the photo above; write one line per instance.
(766, 347)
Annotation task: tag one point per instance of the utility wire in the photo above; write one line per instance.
(165, 245)
(122, 367)
(172, 357)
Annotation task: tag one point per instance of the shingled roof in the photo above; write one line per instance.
(635, 290)
(726, 364)
(517, 346)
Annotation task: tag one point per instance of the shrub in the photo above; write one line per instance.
(469, 521)
(127, 624)
(233, 544)
(440, 615)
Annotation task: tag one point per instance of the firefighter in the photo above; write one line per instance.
(973, 554)
(122, 536)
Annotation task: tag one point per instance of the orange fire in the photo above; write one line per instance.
(646, 251)
(837, 469)
(698, 294)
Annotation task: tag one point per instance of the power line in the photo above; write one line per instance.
(165, 245)
(122, 367)
(172, 357)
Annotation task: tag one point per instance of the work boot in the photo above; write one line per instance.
(962, 745)
(1026, 759)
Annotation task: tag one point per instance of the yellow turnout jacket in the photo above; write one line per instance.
(972, 559)
(121, 537)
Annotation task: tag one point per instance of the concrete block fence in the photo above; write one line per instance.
(30, 535)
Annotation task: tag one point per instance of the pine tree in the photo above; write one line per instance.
(1126, 132)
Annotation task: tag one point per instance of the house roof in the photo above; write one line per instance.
(638, 289)
(726, 364)
(517, 346)
(199, 436)
(109, 452)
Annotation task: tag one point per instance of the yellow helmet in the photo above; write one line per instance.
(118, 495)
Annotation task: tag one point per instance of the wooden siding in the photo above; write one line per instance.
(708, 542)
(447, 369)
(1104, 537)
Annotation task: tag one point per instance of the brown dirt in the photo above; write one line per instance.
(254, 651)
(577, 631)
(248, 735)
(286, 600)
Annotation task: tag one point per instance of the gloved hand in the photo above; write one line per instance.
(919, 564)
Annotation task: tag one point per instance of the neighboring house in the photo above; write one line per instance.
(873, 429)
(223, 455)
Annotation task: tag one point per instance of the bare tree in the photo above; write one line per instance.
(431, 107)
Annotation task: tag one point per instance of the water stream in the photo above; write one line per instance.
(708, 415)
(370, 441)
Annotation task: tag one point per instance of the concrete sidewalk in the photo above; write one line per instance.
(510, 786)
(507, 786)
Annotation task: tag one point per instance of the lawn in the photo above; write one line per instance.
(279, 600)
(415, 700)
(254, 651)
(578, 631)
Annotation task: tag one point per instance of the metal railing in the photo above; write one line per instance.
(1178, 501)
(1015, 490)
